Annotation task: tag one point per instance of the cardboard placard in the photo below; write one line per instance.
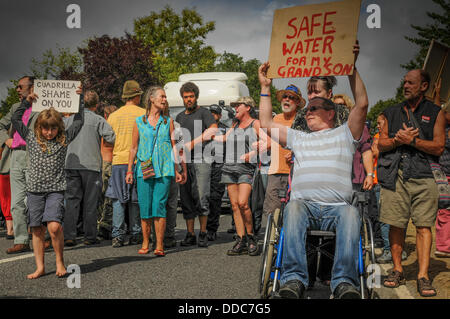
(437, 64)
(60, 95)
(314, 40)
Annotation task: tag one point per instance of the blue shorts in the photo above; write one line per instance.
(236, 178)
(45, 207)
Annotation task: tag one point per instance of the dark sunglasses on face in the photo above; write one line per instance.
(315, 108)
(290, 97)
(20, 87)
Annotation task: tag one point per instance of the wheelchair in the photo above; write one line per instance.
(270, 269)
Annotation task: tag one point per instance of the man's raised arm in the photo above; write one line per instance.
(358, 114)
(276, 131)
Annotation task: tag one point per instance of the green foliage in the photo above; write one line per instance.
(377, 109)
(12, 98)
(110, 62)
(177, 41)
(64, 65)
(230, 62)
(439, 30)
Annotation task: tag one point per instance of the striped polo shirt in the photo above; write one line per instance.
(323, 165)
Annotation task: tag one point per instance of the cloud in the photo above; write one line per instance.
(242, 27)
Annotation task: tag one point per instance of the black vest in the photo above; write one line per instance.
(415, 163)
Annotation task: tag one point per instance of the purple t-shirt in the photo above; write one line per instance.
(358, 168)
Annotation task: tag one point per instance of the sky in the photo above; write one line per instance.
(30, 27)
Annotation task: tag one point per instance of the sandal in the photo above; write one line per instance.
(396, 277)
(425, 284)
(143, 251)
(159, 253)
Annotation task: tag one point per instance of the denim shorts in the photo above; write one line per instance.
(236, 178)
(45, 207)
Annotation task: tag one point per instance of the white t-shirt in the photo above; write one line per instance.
(322, 165)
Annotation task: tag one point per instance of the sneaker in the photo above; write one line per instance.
(89, 242)
(170, 242)
(212, 235)
(293, 289)
(117, 242)
(239, 248)
(202, 240)
(441, 254)
(252, 245)
(385, 258)
(70, 242)
(189, 240)
(346, 291)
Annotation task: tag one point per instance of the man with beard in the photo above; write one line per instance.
(412, 137)
(291, 101)
(13, 140)
(198, 126)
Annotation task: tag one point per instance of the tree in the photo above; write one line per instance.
(12, 98)
(230, 62)
(109, 62)
(439, 30)
(377, 109)
(178, 42)
(64, 65)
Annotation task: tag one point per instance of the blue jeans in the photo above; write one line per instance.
(118, 220)
(301, 215)
(383, 227)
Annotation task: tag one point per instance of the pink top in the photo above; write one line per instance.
(17, 139)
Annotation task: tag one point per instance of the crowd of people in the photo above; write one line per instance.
(115, 174)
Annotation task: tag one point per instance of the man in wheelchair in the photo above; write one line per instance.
(321, 189)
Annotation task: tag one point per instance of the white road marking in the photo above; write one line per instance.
(2, 261)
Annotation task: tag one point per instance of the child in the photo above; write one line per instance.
(46, 182)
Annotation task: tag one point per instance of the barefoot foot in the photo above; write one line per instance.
(61, 271)
(38, 273)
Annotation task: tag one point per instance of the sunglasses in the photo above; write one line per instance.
(20, 87)
(290, 97)
(315, 108)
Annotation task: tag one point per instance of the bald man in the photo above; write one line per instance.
(413, 137)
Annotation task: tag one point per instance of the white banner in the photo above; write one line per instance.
(61, 95)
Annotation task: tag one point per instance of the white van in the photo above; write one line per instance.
(219, 88)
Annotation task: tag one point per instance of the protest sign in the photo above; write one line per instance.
(60, 95)
(314, 40)
(437, 64)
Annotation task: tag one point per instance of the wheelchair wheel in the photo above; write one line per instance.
(268, 254)
(368, 251)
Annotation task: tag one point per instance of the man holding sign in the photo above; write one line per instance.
(9, 137)
(321, 187)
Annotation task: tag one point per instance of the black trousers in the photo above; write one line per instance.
(83, 193)
(215, 200)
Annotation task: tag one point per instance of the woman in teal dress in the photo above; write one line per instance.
(152, 139)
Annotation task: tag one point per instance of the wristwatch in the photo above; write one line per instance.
(371, 174)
